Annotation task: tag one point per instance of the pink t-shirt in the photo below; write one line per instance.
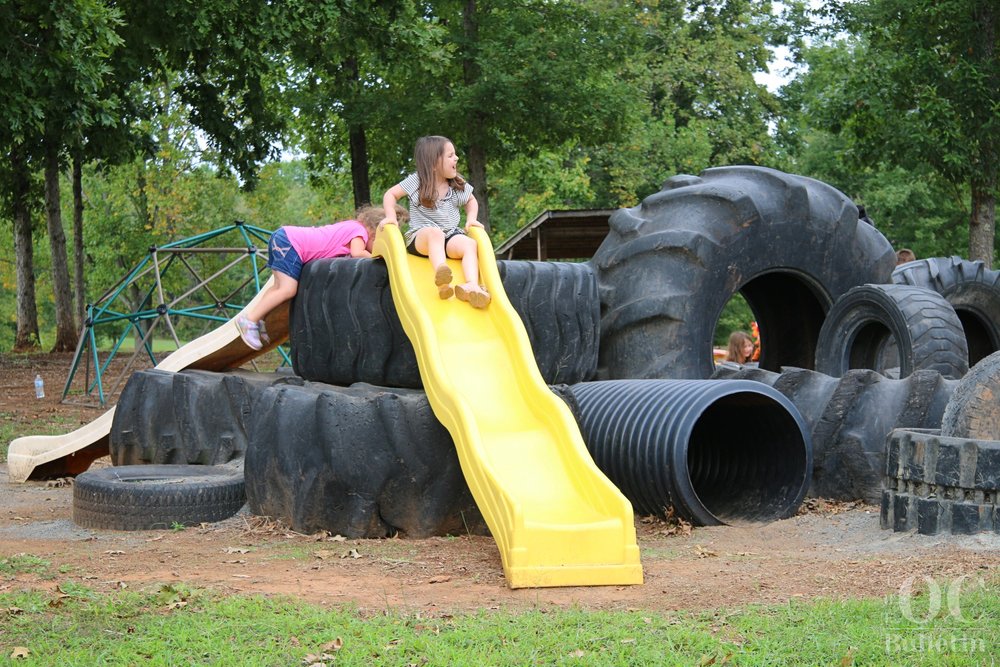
(326, 241)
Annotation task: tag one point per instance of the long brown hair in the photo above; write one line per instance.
(736, 341)
(426, 155)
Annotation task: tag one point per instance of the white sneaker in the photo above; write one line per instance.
(249, 333)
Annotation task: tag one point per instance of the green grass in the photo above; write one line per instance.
(175, 625)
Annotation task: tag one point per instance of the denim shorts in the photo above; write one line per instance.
(281, 255)
(448, 235)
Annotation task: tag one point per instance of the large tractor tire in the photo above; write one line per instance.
(344, 327)
(890, 327)
(972, 289)
(190, 417)
(790, 245)
(359, 461)
(974, 408)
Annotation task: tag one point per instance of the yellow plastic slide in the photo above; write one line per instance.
(556, 518)
(73, 452)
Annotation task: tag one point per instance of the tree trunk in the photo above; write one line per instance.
(476, 123)
(982, 225)
(356, 136)
(66, 332)
(78, 257)
(26, 338)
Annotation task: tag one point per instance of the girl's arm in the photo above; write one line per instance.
(358, 248)
(471, 211)
(389, 199)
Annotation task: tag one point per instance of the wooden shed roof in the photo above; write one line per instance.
(558, 235)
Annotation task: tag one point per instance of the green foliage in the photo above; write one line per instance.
(527, 186)
(916, 86)
(913, 207)
(736, 316)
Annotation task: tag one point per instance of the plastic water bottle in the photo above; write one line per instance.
(39, 387)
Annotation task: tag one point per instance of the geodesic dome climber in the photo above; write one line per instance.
(177, 292)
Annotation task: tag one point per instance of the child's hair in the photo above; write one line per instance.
(736, 341)
(370, 216)
(426, 155)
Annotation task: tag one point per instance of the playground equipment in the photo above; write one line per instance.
(73, 452)
(556, 518)
(143, 305)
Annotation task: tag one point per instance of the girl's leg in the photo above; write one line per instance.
(465, 248)
(282, 290)
(429, 241)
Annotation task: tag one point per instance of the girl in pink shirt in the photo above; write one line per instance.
(290, 247)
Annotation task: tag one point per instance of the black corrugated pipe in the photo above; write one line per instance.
(718, 452)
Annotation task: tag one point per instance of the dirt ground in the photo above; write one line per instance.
(829, 550)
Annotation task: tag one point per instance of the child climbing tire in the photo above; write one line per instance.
(972, 289)
(789, 244)
(344, 327)
(148, 497)
(892, 326)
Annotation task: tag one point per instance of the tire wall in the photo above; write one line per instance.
(850, 418)
(344, 327)
(789, 244)
(189, 417)
(360, 461)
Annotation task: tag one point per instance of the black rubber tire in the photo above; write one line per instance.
(938, 484)
(344, 327)
(190, 417)
(790, 245)
(359, 461)
(883, 327)
(149, 497)
(972, 289)
(850, 418)
(974, 408)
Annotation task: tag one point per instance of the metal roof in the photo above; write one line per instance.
(558, 235)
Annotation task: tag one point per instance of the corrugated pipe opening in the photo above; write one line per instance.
(717, 451)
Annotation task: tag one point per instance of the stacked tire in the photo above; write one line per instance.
(948, 481)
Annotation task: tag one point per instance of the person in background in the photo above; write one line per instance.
(292, 246)
(740, 348)
(904, 255)
(437, 191)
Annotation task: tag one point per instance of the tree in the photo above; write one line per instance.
(692, 99)
(913, 207)
(58, 51)
(928, 94)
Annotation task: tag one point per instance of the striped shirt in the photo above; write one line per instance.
(445, 215)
